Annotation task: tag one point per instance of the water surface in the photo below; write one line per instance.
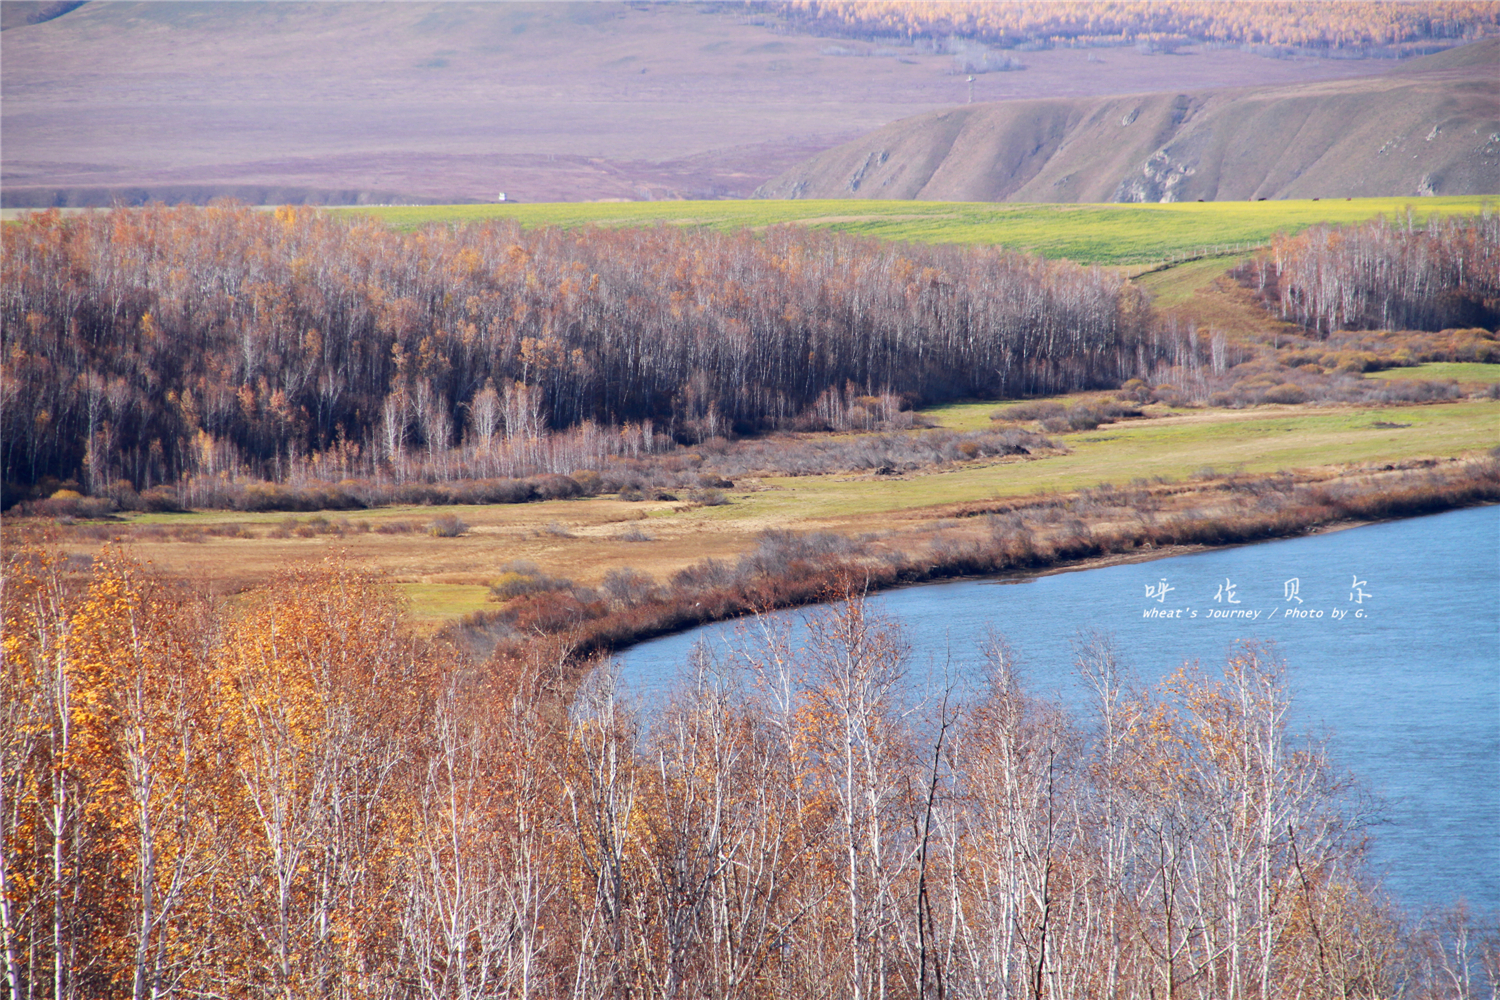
(1391, 633)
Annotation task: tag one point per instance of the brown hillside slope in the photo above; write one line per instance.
(364, 102)
(1432, 126)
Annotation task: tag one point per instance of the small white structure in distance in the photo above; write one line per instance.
(502, 196)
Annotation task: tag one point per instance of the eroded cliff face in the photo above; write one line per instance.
(1166, 171)
(1160, 180)
(1429, 127)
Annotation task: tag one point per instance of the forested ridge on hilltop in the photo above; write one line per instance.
(147, 347)
(1342, 24)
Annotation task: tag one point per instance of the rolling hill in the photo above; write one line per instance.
(1431, 126)
(339, 102)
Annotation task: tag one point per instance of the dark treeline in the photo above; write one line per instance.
(149, 345)
(294, 797)
(1386, 275)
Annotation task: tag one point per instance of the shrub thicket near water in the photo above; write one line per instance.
(790, 569)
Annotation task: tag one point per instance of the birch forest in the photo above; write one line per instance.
(149, 345)
(1389, 275)
(299, 798)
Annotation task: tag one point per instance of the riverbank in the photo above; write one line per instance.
(1004, 538)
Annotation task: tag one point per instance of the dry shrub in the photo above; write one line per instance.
(709, 574)
(778, 552)
(553, 611)
(161, 500)
(519, 578)
(627, 586)
(1168, 395)
(1040, 409)
(70, 505)
(1414, 391)
(556, 487)
(589, 481)
(1286, 393)
(447, 526)
(264, 496)
(1087, 416)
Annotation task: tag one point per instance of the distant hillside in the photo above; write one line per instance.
(1431, 126)
(367, 102)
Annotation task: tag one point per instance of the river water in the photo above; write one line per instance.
(1391, 633)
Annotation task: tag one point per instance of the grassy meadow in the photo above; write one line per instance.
(1464, 373)
(583, 539)
(1091, 234)
(1176, 444)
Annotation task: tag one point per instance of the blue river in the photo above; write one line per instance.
(1391, 634)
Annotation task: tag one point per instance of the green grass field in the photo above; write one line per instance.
(1177, 285)
(1102, 234)
(964, 416)
(446, 601)
(1458, 371)
(1266, 439)
(1263, 439)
